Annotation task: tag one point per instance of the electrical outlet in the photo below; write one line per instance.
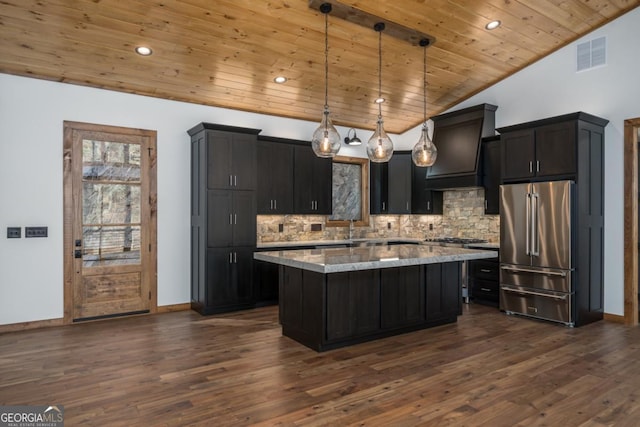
(14, 232)
(316, 227)
(388, 226)
(36, 231)
(430, 227)
(280, 228)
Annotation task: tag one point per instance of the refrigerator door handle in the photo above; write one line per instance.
(535, 238)
(522, 291)
(531, 270)
(528, 225)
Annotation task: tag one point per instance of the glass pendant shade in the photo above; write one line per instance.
(326, 140)
(424, 153)
(379, 146)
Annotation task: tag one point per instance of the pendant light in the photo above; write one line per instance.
(379, 146)
(424, 153)
(326, 140)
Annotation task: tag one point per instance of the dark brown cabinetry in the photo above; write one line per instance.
(275, 169)
(402, 299)
(543, 151)
(424, 200)
(390, 185)
(443, 292)
(484, 281)
(223, 217)
(311, 182)
(490, 154)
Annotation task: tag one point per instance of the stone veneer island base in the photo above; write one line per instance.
(331, 298)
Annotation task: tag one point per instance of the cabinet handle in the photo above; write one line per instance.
(407, 205)
(537, 165)
(235, 257)
(428, 205)
(485, 289)
(235, 180)
(530, 166)
(485, 270)
(235, 219)
(230, 219)
(486, 205)
(383, 206)
(271, 204)
(275, 204)
(230, 258)
(230, 180)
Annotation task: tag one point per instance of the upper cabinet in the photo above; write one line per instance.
(390, 185)
(424, 200)
(275, 169)
(544, 149)
(491, 174)
(311, 182)
(231, 160)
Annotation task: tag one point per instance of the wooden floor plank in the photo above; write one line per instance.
(237, 369)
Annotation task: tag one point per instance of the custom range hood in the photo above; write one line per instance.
(458, 136)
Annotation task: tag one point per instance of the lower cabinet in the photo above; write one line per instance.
(444, 291)
(229, 280)
(325, 311)
(484, 281)
(402, 296)
(265, 278)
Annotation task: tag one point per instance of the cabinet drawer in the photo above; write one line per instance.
(487, 270)
(485, 290)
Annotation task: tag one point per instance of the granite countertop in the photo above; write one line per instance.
(485, 245)
(334, 260)
(266, 245)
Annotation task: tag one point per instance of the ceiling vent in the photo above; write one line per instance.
(592, 53)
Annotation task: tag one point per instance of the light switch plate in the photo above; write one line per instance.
(36, 231)
(14, 232)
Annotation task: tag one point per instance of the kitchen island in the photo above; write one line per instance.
(335, 297)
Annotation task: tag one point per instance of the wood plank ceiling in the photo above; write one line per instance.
(226, 52)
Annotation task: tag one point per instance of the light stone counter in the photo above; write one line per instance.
(334, 260)
(294, 243)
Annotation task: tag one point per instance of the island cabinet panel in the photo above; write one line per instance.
(353, 304)
(443, 292)
(402, 296)
(302, 305)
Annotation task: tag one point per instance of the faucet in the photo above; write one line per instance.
(350, 229)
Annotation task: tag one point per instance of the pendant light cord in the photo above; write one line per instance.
(424, 85)
(326, 61)
(380, 73)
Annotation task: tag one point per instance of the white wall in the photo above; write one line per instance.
(32, 113)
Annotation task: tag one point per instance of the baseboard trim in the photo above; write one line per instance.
(613, 318)
(174, 307)
(36, 324)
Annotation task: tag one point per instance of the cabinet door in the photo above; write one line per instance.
(443, 291)
(312, 182)
(353, 304)
(491, 176)
(402, 296)
(243, 161)
(244, 218)
(518, 154)
(220, 218)
(378, 188)
(242, 277)
(266, 280)
(220, 289)
(556, 149)
(399, 185)
(219, 161)
(275, 170)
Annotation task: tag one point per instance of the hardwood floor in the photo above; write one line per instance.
(181, 368)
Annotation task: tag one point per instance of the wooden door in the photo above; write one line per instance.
(109, 221)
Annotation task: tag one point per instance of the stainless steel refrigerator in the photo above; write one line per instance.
(536, 260)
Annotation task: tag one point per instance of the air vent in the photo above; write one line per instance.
(592, 53)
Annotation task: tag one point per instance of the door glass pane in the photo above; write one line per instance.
(110, 203)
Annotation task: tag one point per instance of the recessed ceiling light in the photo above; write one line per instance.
(143, 50)
(379, 100)
(280, 79)
(493, 25)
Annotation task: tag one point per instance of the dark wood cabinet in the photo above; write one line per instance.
(390, 185)
(443, 291)
(312, 182)
(353, 304)
(223, 217)
(484, 281)
(402, 296)
(275, 169)
(491, 174)
(423, 199)
(540, 151)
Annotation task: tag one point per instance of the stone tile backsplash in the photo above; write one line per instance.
(463, 216)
